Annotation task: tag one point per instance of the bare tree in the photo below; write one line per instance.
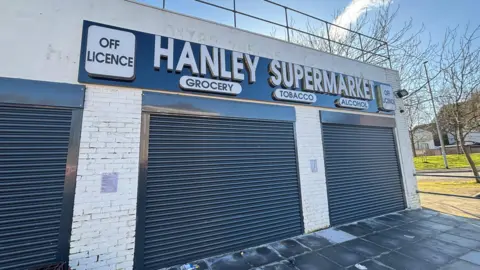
(416, 114)
(406, 46)
(459, 61)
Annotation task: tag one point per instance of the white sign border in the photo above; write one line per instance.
(96, 75)
(338, 103)
(206, 90)
(276, 97)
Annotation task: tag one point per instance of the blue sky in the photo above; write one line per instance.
(436, 15)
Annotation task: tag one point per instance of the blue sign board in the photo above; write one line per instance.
(126, 58)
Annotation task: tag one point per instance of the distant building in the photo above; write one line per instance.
(425, 137)
(473, 138)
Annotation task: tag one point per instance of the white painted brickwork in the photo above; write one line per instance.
(404, 149)
(313, 184)
(103, 229)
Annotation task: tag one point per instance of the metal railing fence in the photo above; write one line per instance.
(336, 39)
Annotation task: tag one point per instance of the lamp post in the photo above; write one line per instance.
(439, 130)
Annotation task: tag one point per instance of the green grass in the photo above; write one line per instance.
(458, 187)
(436, 162)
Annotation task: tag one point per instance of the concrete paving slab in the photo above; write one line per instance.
(198, 265)
(369, 265)
(460, 265)
(342, 255)
(426, 254)
(415, 239)
(433, 226)
(472, 257)
(457, 240)
(385, 241)
(445, 221)
(396, 260)
(399, 217)
(431, 212)
(416, 214)
(418, 231)
(465, 233)
(365, 248)
(283, 265)
(458, 219)
(313, 242)
(313, 261)
(335, 236)
(289, 248)
(443, 247)
(372, 225)
(356, 229)
(233, 261)
(261, 256)
(466, 220)
(470, 227)
(401, 235)
(388, 221)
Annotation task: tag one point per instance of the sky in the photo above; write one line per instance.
(436, 15)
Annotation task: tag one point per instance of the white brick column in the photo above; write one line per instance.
(103, 229)
(403, 146)
(313, 184)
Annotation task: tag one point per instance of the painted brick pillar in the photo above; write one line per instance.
(103, 229)
(404, 146)
(313, 184)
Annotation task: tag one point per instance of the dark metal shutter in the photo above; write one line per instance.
(33, 154)
(363, 176)
(216, 185)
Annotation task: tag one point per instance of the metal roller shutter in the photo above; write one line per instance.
(363, 177)
(33, 153)
(216, 185)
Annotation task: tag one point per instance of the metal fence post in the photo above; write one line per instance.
(286, 23)
(328, 37)
(372, 53)
(388, 54)
(234, 14)
(163, 4)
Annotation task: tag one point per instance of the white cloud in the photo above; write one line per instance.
(352, 12)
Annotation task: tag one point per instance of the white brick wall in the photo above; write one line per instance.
(313, 184)
(404, 149)
(103, 229)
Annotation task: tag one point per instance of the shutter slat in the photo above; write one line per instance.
(215, 185)
(363, 177)
(33, 152)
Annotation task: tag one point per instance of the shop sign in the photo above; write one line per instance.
(294, 96)
(110, 53)
(120, 57)
(209, 85)
(352, 103)
(385, 98)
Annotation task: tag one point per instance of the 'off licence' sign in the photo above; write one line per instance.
(110, 53)
(385, 98)
(128, 58)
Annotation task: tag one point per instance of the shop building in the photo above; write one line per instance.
(133, 136)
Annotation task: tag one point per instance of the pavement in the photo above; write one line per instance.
(406, 240)
(451, 176)
(454, 205)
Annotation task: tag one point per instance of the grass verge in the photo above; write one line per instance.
(436, 162)
(459, 187)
